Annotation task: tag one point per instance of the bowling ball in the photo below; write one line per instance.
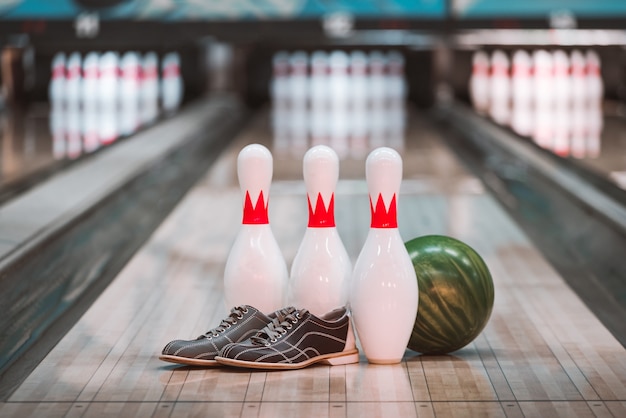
(455, 294)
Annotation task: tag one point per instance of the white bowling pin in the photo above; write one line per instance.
(319, 98)
(73, 77)
(521, 80)
(321, 269)
(359, 107)
(108, 85)
(359, 85)
(91, 74)
(130, 84)
(479, 82)
(255, 273)
(298, 88)
(280, 76)
(499, 88)
(108, 98)
(56, 89)
(543, 71)
(593, 79)
(377, 78)
(149, 93)
(171, 83)
(578, 78)
(383, 294)
(562, 79)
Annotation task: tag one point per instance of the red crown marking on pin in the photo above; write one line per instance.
(381, 217)
(256, 214)
(320, 217)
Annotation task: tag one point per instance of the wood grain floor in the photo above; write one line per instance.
(543, 352)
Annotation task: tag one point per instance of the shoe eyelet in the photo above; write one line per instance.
(267, 344)
(228, 326)
(289, 326)
(298, 315)
(245, 311)
(216, 335)
(294, 321)
(273, 340)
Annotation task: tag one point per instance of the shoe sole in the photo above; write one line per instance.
(336, 359)
(189, 361)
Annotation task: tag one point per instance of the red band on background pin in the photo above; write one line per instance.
(381, 217)
(256, 214)
(58, 72)
(171, 71)
(320, 217)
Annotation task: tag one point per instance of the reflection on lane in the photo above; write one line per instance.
(350, 101)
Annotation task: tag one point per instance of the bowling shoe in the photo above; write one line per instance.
(296, 339)
(242, 323)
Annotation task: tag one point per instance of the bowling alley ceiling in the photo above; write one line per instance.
(364, 22)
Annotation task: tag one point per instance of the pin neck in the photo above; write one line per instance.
(257, 214)
(322, 217)
(381, 216)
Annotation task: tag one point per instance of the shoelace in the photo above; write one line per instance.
(285, 319)
(236, 314)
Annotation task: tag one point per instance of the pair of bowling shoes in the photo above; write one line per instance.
(286, 339)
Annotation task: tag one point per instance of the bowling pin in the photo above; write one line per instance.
(521, 98)
(383, 294)
(593, 79)
(149, 92)
(298, 79)
(280, 77)
(359, 108)
(171, 83)
(321, 269)
(521, 81)
(130, 84)
(56, 89)
(319, 98)
(339, 118)
(479, 82)
(543, 80)
(89, 98)
(108, 84)
(499, 88)
(73, 77)
(377, 99)
(255, 273)
(89, 85)
(562, 79)
(578, 78)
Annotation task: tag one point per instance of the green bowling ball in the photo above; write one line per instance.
(455, 294)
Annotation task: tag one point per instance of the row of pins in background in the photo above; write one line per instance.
(352, 101)
(108, 79)
(101, 97)
(554, 97)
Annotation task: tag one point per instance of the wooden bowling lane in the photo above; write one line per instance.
(543, 353)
